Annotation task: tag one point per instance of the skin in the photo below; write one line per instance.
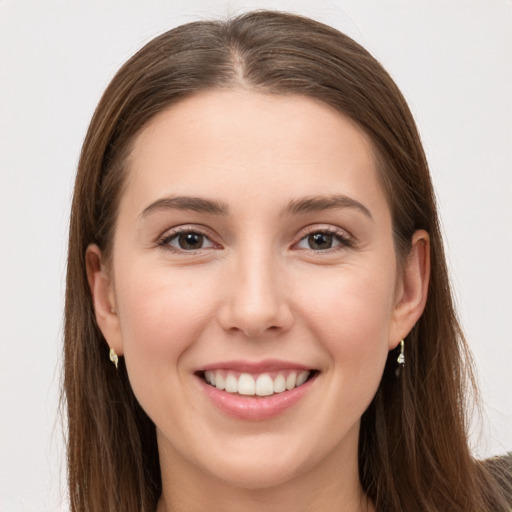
(256, 290)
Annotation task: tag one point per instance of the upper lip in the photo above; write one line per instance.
(266, 365)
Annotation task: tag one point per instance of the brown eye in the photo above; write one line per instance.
(320, 241)
(187, 241)
(190, 241)
(325, 241)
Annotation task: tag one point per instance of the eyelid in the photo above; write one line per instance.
(346, 239)
(169, 234)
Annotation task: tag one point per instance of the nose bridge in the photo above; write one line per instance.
(257, 300)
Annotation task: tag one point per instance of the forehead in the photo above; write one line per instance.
(223, 142)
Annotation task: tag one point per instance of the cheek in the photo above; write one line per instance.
(351, 298)
(162, 315)
(350, 311)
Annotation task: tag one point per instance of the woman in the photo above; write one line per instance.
(258, 314)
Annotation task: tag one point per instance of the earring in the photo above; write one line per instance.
(113, 357)
(401, 357)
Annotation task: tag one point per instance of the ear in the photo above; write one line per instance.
(103, 298)
(412, 289)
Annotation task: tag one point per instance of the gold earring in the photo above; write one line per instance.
(401, 357)
(113, 357)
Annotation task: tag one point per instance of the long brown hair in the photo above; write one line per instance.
(413, 450)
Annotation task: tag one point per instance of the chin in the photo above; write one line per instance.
(264, 465)
(259, 475)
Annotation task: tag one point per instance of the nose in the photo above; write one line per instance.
(256, 302)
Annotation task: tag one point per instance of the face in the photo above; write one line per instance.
(255, 284)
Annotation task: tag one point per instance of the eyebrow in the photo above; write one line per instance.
(295, 207)
(196, 204)
(320, 203)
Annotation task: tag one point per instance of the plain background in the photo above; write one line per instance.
(453, 62)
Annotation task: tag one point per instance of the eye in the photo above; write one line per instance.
(187, 241)
(324, 240)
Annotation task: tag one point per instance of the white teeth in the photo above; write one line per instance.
(246, 384)
(291, 381)
(231, 384)
(279, 384)
(219, 381)
(263, 385)
(301, 378)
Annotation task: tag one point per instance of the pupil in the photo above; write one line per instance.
(319, 241)
(190, 241)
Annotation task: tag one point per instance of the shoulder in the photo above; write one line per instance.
(500, 468)
(500, 464)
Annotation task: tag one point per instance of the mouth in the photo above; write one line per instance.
(256, 384)
(256, 391)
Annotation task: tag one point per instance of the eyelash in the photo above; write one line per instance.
(165, 241)
(341, 236)
(344, 240)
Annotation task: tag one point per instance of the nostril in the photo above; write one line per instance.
(254, 311)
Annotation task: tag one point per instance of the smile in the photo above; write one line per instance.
(255, 391)
(263, 384)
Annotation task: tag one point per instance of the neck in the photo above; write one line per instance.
(270, 501)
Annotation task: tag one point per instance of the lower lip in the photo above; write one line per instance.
(255, 408)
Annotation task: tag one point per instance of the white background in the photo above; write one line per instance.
(452, 60)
